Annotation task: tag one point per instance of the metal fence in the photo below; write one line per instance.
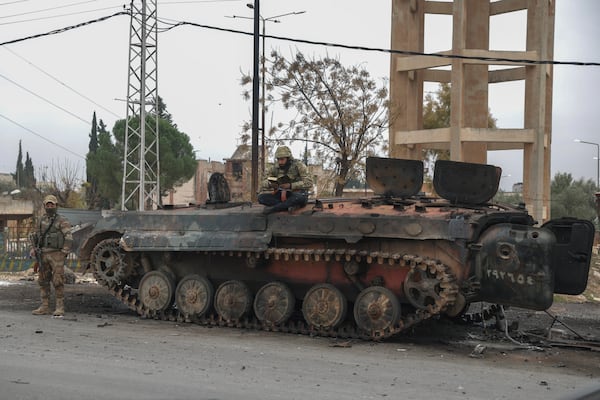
(14, 253)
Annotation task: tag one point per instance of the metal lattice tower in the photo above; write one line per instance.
(141, 171)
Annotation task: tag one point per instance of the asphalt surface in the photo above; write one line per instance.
(101, 350)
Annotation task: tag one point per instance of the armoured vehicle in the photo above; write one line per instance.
(366, 268)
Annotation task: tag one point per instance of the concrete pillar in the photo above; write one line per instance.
(406, 89)
(538, 109)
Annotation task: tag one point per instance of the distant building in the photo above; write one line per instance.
(238, 172)
(13, 210)
(517, 187)
(6, 178)
(15, 220)
(194, 191)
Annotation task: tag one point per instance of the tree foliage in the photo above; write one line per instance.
(177, 159)
(91, 186)
(508, 197)
(28, 180)
(24, 175)
(103, 166)
(573, 198)
(436, 114)
(569, 197)
(340, 110)
(19, 169)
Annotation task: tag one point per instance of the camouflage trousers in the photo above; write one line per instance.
(52, 270)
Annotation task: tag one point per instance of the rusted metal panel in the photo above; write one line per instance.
(572, 254)
(466, 183)
(515, 266)
(353, 227)
(391, 177)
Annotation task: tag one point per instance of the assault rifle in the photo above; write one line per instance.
(37, 241)
(37, 252)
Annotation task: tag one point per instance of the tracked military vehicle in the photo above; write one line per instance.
(366, 268)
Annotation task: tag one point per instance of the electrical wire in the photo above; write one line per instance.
(319, 43)
(62, 83)
(392, 51)
(42, 137)
(65, 29)
(13, 2)
(46, 100)
(304, 41)
(505, 323)
(48, 9)
(60, 15)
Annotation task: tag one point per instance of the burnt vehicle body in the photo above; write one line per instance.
(368, 267)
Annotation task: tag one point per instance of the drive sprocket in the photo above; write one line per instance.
(108, 262)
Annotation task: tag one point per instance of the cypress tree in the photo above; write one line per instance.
(19, 172)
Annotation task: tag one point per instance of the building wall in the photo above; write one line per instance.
(238, 173)
(6, 178)
(194, 191)
(239, 178)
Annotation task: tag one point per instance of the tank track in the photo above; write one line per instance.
(129, 297)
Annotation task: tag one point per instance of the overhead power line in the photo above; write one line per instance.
(62, 83)
(47, 9)
(65, 29)
(318, 43)
(45, 99)
(391, 51)
(42, 137)
(13, 2)
(59, 15)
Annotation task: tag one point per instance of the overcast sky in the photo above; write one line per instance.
(43, 80)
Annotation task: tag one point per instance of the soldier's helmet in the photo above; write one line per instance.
(50, 199)
(283, 151)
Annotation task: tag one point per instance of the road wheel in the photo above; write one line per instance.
(324, 306)
(233, 300)
(194, 295)
(274, 303)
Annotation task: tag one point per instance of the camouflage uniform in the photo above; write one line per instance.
(300, 184)
(54, 239)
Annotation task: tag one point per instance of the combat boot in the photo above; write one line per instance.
(60, 308)
(43, 309)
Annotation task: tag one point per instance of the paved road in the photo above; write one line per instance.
(101, 351)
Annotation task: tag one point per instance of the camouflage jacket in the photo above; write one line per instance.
(297, 172)
(56, 237)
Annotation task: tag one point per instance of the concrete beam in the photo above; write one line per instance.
(513, 55)
(437, 75)
(499, 138)
(412, 63)
(506, 6)
(438, 7)
(506, 75)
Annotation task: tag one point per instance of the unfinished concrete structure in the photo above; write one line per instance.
(468, 138)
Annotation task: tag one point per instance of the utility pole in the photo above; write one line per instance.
(255, 99)
(257, 18)
(141, 184)
(263, 95)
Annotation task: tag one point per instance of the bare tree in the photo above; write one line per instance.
(340, 111)
(62, 179)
